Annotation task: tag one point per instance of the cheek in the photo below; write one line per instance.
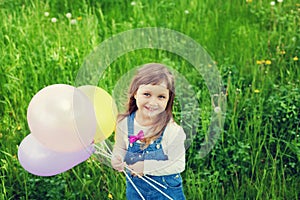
(164, 104)
(139, 101)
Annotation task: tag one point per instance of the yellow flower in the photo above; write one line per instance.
(110, 196)
(295, 58)
(19, 128)
(79, 18)
(268, 62)
(258, 62)
(256, 91)
(282, 52)
(248, 1)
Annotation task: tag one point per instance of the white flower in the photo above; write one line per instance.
(46, 14)
(272, 3)
(186, 12)
(279, 1)
(133, 3)
(73, 21)
(217, 109)
(53, 20)
(69, 15)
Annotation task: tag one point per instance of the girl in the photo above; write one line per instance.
(148, 140)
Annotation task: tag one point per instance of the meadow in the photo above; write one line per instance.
(255, 45)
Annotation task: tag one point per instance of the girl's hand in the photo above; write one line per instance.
(117, 163)
(138, 168)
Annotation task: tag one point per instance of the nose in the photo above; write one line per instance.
(153, 102)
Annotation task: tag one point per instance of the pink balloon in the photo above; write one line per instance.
(62, 118)
(39, 160)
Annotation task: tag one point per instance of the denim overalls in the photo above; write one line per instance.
(154, 151)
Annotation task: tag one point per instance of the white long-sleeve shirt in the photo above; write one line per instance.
(172, 144)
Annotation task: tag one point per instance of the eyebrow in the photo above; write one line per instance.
(149, 91)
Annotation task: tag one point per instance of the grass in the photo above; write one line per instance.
(255, 46)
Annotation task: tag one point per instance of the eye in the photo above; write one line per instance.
(161, 97)
(146, 94)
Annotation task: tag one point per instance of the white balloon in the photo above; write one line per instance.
(39, 160)
(62, 118)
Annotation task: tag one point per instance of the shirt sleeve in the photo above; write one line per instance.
(173, 146)
(120, 146)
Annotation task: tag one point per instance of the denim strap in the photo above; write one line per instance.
(130, 123)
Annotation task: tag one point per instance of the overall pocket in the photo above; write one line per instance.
(172, 181)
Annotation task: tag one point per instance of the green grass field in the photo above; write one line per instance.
(255, 45)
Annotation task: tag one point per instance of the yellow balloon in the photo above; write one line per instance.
(105, 110)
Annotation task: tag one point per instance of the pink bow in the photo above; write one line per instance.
(134, 138)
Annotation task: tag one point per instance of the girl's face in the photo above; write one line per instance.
(151, 100)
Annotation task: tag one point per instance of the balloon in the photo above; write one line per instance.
(39, 160)
(105, 110)
(62, 118)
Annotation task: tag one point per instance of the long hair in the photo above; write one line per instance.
(154, 74)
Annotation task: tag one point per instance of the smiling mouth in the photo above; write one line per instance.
(150, 109)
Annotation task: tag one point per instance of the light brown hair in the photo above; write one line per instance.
(154, 74)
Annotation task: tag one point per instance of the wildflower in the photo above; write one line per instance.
(19, 128)
(1, 135)
(272, 3)
(279, 1)
(259, 62)
(268, 62)
(73, 21)
(282, 52)
(79, 18)
(133, 3)
(53, 20)
(256, 91)
(249, 1)
(295, 58)
(46, 14)
(69, 15)
(110, 196)
(217, 109)
(186, 12)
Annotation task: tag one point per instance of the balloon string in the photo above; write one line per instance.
(102, 152)
(155, 182)
(150, 183)
(109, 156)
(134, 186)
(107, 147)
(105, 154)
